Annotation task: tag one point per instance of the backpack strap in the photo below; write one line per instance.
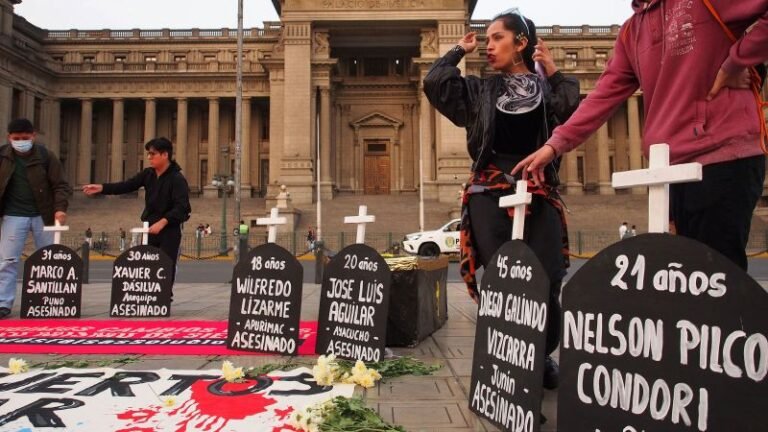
(756, 80)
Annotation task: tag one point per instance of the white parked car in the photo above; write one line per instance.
(432, 243)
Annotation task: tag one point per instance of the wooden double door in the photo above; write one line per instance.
(377, 174)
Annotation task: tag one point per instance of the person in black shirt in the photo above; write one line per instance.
(508, 116)
(166, 196)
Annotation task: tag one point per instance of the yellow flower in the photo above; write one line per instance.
(366, 381)
(168, 401)
(326, 371)
(230, 372)
(17, 366)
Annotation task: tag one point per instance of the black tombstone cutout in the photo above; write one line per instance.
(265, 304)
(141, 283)
(661, 333)
(354, 302)
(52, 284)
(510, 339)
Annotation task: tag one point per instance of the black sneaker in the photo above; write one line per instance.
(551, 373)
(4, 312)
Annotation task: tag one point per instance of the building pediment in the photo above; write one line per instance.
(376, 119)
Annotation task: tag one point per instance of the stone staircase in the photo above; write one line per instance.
(592, 218)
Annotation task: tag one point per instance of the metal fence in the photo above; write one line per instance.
(582, 243)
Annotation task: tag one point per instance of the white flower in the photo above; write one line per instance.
(17, 366)
(230, 372)
(326, 371)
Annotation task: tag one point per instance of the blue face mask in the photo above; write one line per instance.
(22, 146)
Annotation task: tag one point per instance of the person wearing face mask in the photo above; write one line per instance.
(507, 117)
(33, 194)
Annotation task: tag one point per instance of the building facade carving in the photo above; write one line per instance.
(321, 82)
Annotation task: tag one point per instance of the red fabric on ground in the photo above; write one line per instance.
(160, 337)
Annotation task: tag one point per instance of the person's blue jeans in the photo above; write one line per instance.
(13, 234)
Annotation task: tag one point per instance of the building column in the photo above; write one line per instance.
(213, 147)
(53, 131)
(6, 18)
(296, 169)
(180, 146)
(245, 150)
(572, 184)
(150, 119)
(452, 158)
(255, 152)
(28, 108)
(620, 143)
(635, 140)
(276, 136)
(603, 160)
(6, 102)
(424, 151)
(116, 165)
(326, 182)
(84, 149)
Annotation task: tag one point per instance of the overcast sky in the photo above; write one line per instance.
(151, 14)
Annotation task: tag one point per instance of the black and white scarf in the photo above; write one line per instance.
(521, 93)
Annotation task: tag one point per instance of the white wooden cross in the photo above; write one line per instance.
(272, 222)
(658, 176)
(518, 200)
(57, 229)
(361, 219)
(144, 230)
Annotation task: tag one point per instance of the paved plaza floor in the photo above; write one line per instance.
(430, 403)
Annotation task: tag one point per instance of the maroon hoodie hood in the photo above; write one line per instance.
(672, 51)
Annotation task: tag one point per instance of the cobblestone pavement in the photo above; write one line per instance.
(431, 403)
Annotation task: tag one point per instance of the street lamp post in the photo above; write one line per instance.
(224, 183)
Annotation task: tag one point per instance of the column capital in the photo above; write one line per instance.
(213, 99)
(149, 99)
(86, 99)
(182, 99)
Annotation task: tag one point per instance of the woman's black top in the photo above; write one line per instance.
(517, 134)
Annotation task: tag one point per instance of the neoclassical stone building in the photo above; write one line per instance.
(342, 73)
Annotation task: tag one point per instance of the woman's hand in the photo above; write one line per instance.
(543, 56)
(469, 42)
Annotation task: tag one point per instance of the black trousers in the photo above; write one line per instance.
(492, 227)
(717, 211)
(168, 241)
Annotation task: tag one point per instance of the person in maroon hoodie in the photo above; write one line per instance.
(694, 81)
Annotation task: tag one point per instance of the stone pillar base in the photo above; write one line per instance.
(301, 193)
(574, 189)
(430, 190)
(210, 192)
(326, 190)
(292, 215)
(246, 191)
(605, 189)
(448, 192)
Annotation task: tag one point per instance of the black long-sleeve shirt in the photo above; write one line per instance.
(166, 196)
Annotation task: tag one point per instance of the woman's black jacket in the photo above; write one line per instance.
(471, 103)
